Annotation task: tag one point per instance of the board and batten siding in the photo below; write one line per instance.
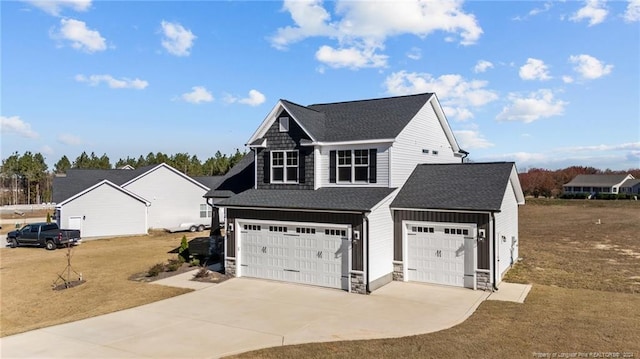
(480, 219)
(382, 165)
(381, 242)
(106, 211)
(507, 231)
(353, 219)
(424, 132)
(174, 198)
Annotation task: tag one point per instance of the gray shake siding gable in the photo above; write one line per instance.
(287, 141)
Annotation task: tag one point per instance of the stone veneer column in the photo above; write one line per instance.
(357, 283)
(483, 281)
(230, 267)
(398, 271)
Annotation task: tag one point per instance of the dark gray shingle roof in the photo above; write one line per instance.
(455, 186)
(359, 199)
(240, 178)
(380, 118)
(77, 180)
(596, 180)
(630, 183)
(208, 181)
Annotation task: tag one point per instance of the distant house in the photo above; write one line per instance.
(130, 201)
(630, 186)
(597, 184)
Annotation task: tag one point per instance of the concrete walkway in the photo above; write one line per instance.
(511, 292)
(244, 314)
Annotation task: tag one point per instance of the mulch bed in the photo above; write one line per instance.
(211, 277)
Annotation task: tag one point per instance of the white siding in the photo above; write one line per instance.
(424, 132)
(382, 165)
(381, 240)
(174, 198)
(107, 211)
(507, 232)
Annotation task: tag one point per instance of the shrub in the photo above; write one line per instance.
(48, 217)
(194, 262)
(202, 273)
(173, 265)
(183, 251)
(155, 270)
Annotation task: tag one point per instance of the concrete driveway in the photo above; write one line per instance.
(243, 314)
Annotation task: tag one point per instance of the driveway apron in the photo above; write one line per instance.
(244, 314)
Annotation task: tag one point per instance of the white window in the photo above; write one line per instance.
(205, 211)
(284, 167)
(353, 166)
(284, 124)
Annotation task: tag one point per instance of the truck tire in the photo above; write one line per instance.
(200, 228)
(50, 245)
(13, 243)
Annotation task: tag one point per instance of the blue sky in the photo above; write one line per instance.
(544, 84)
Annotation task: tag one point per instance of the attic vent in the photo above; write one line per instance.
(424, 150)
(284, 124)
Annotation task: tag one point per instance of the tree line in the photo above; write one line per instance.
(540, 182)
(26, 179)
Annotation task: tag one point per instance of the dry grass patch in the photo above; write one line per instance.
(27, 274)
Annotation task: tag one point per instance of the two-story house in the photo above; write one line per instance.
(324, 179)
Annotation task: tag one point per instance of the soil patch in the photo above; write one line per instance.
(208, 277)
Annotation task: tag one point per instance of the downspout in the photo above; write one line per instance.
(464, 154)
(493, 241)
(366, 221)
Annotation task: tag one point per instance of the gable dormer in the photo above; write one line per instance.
(282, 159)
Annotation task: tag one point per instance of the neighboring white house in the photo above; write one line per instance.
(131, 201)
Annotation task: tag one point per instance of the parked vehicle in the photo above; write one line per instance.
(46, 235)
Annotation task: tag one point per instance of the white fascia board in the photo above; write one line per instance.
(170, 169)
(103, 183)
(444, 122)
(392, 194)
(515, 184)
(358, 142)
(270, 119)
(294, 209)
(262, 144)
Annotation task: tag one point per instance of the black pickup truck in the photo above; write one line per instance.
(46, 235)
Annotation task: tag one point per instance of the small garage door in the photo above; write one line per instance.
(441, 253)
(308, 254)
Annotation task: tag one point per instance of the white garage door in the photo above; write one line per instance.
(441, 253)
(308, 254)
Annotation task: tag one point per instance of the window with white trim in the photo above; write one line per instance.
(284, 167)
(344, 166)
(205, 211)
(353, 166)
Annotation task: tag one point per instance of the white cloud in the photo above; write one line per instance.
(415, 53)
(593, 10)
(537, 105)
(547, 5)
(81, 37)
(471, 139)
(567, 79)
(361, 29)
(589, 67)
(350, 57)
(177, 40)
(69, 139)
(255, 98)
(55, 7)
(15, 125)
(482, 66)
(456, 93)
(122, 83)
(633, 11)
(534, 69)
(199, 94)
(602, 148)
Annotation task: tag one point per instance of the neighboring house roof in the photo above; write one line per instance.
(630, 183)
(381, 119)
(208, 181)
(598, 180)
(240, 178)
(459, 186)
(78, 180)
(105, 183)
(360, 199)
